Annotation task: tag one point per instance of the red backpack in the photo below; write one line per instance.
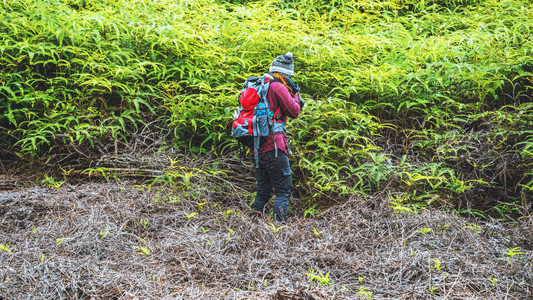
(254, 119)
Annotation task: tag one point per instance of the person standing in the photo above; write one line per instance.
(273, 172)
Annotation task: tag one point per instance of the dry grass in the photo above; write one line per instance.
(78, 242)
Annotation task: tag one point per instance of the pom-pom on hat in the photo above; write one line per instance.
(283, 64)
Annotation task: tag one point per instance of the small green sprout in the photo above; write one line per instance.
(401, 208)
(316, 232)
(204, 230)
(6, 248)
(512, 252)
(65, 172)
(172, 199)
(322, 279)
(230, 233)
(398, 206)
(226, 213)
(144, 223)
(193, 215)
(344, 289)
(432, 289)
(444, 227)
(102, 170)
(201, 205)
(310, 211)
(51, 182)
(60, 241)
(274, 228)
(143, 250)
(103, 233)
(475, 228)
(437, 265)
(365, 291)
(425, 230)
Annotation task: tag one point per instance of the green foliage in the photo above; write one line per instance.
(6, 248)
(51, 182)
(431, 98)
(333, 139)
(143, 250)
(366, 292)
(322, 279)
(512, 252)
(437, 264)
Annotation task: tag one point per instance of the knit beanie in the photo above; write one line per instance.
(283, 64)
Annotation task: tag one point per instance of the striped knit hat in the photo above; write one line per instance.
(283, 64)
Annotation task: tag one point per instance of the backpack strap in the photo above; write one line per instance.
(262, 92)
(276, 115)
(256, 148)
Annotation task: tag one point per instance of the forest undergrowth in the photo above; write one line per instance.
(125, 240)
(183, 228)
(434, 96)
(412, 156)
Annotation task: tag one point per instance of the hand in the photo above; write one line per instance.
(294, 86)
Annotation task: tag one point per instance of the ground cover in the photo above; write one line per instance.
(121, 239)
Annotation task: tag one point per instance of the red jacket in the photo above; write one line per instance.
(279, 96)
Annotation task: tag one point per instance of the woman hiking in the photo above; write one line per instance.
(273, 172)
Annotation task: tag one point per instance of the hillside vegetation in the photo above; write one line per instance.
(412, 156)
(429, 99)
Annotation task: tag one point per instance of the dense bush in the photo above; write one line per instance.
(432, 98)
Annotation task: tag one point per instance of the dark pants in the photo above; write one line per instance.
(273, 173)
